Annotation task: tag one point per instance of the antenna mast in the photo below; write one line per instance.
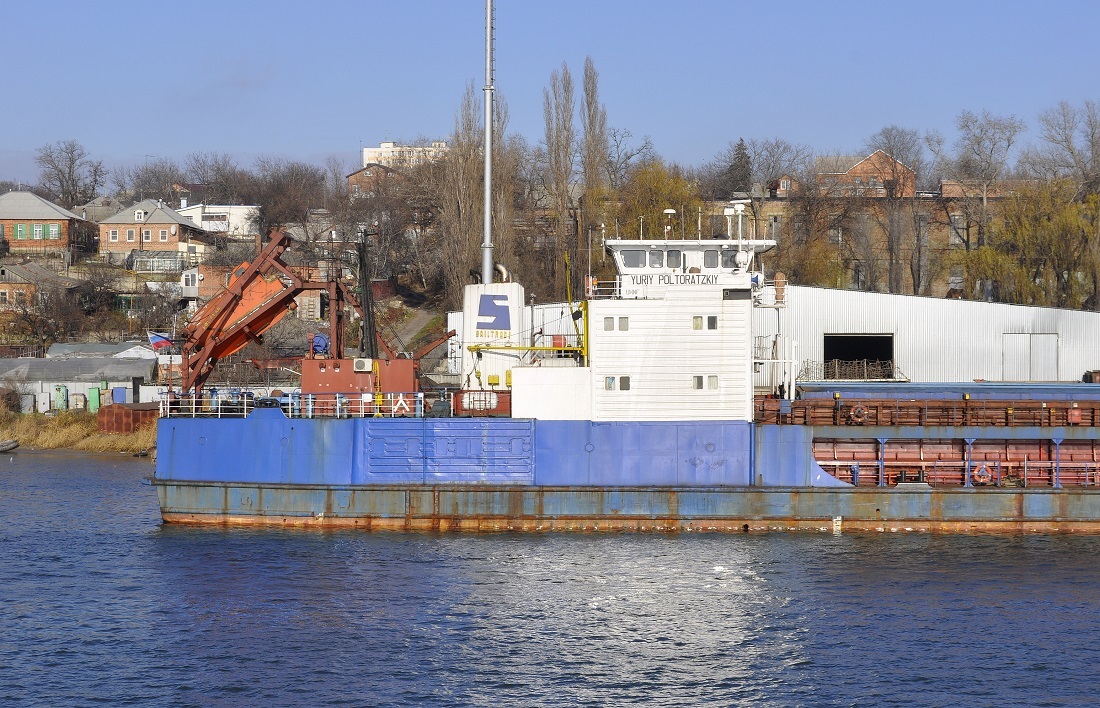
(487, 238)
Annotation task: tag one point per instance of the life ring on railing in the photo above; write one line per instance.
(857, 415)
(981, 475)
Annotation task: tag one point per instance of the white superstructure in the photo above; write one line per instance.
(669, 339)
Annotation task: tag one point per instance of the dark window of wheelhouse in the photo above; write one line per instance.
(673, 259)
(633, 258)
(858, 356)
(656, 259)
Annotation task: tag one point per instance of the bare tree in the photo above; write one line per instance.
(460, 198)
(68, 175)
(594, 151)
(158, 179)
(558, 108)
(899, 213)
(287, 192)
(223, 181)
(979, 162)
(1072, 146)
(623, 154)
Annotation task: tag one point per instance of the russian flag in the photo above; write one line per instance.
(159, 341)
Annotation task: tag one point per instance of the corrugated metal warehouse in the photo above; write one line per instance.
(928, 339)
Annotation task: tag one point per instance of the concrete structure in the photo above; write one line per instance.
(29, 223)
(231, 221)
(397, 156)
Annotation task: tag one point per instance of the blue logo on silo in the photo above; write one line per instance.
(493, 313)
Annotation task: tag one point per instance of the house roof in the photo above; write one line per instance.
(27, 205)
(135, 350)
(158, 213)
(35, 274)
(81, 369)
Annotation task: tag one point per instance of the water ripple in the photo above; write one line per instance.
(99, 603)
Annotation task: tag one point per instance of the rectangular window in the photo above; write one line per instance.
(146, 235)
(609, 383)
(163, 235)
(712, 322)
(674, 259)
(114, 234)
(656, 259)
(1, 231)
(624, 324)
(624, 383)
(38, 231)
(608, 324)
(710, 259)
(130, 235)
(55, 232)
(21, 232)
(712, 382)
(697, 383)
(3, 297)
(633, 259)
(697, 322)
(20, 297)
(139, 216)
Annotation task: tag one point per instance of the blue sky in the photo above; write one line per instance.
(137, 80)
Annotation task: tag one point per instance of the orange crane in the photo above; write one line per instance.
(258, 295)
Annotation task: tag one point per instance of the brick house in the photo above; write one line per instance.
(371, 180)
(31, 224)
(147, 226)
(876, 175)
(20, 283)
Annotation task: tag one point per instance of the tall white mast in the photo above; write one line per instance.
(487, 238)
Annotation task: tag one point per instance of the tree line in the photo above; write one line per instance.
(1023, 227)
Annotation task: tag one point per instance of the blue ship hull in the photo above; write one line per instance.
(499, 474)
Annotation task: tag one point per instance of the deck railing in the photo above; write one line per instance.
(824, 411)
(954, 473)
(333, 405)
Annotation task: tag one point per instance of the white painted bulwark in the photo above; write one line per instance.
(552, 393)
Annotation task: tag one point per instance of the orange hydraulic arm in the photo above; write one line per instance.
(258, 295)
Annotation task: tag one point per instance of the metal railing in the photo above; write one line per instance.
(329, 405)
(955, 473)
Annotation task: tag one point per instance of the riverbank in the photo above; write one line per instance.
(73, 430)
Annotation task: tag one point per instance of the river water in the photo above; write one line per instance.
(100, 603)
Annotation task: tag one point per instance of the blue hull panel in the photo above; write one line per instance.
(267, 447)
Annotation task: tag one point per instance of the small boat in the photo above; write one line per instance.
(6, 445)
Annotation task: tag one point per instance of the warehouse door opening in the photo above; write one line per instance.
(859, 357)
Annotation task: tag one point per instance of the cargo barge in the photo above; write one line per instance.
(637, 409)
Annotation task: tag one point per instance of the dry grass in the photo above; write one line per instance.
(72, 429)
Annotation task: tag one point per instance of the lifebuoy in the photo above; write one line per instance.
(982, 475)
(858, 415)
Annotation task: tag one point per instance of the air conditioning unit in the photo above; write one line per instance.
(360, 365)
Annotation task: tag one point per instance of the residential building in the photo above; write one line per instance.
(22, 284)
(875, 175)
(100, 208)
(372, 180)
(397, 156)
(150, 225)
(230, 221)
(31, 224)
